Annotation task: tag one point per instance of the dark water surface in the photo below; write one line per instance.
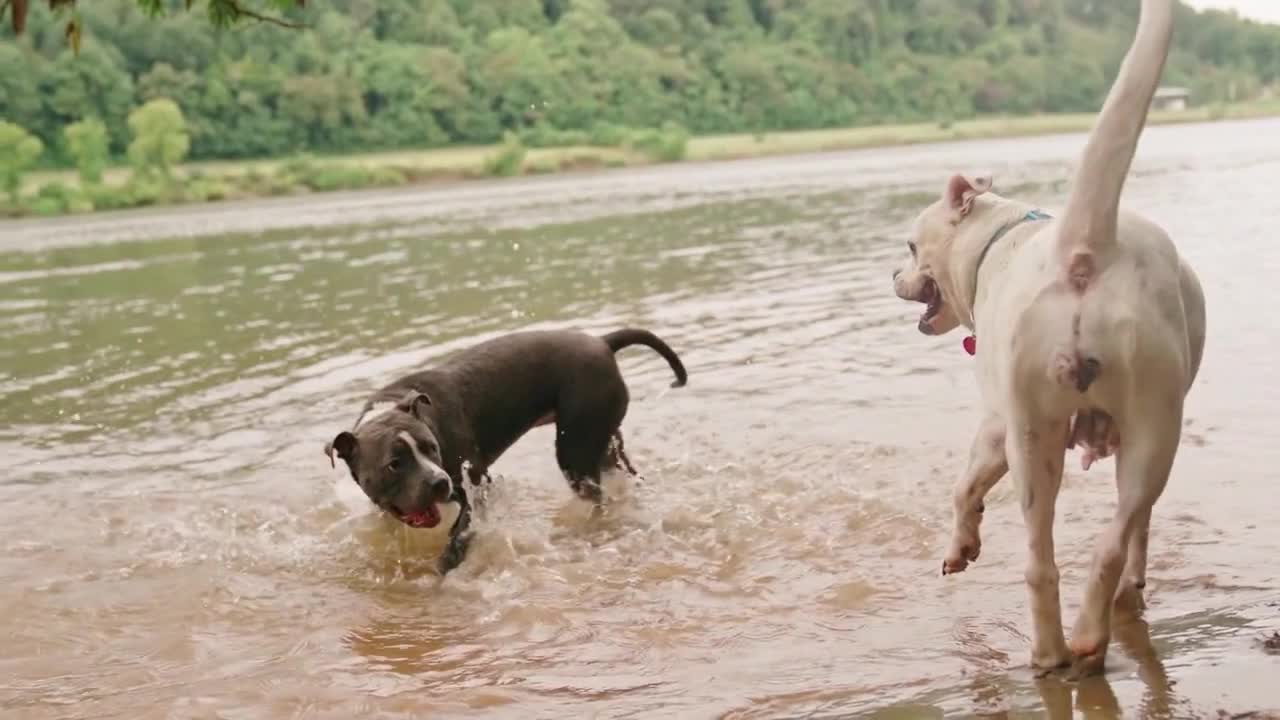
(173, 544)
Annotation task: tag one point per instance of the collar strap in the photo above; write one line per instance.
(1030, 216)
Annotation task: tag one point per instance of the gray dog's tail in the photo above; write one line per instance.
(634, 336)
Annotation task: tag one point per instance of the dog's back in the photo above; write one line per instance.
(501, 388)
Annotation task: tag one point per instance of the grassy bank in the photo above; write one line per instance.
(61, 192)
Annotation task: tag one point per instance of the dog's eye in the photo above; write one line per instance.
(912, 247)
(393, 466)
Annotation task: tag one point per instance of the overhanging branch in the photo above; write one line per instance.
(239, 12)
(222, 12)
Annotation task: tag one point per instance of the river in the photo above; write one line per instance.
(174, 544)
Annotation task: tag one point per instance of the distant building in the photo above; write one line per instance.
(1171, 98)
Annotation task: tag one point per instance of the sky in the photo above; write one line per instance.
(1265, 10)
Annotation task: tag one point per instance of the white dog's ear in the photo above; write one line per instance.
(962, 189)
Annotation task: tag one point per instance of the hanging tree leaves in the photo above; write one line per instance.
(222, 13)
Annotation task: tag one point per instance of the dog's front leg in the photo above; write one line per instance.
(481, 481)
(1036, 453)
(459, 534)
(476, 473)
(987, 464)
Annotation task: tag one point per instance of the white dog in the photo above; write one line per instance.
(1089, 329)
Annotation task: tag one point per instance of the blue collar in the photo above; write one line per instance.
(1031, 216)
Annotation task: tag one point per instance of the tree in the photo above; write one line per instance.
(88, 144)
(20, 98)
(91, 85)
(222, 13)
(517, 79)
(19, 150)
(388, 74)
(159, 137)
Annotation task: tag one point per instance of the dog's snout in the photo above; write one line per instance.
(441, 488)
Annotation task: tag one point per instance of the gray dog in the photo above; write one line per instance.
(463, 414)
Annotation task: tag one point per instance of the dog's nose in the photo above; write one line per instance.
(441, 489)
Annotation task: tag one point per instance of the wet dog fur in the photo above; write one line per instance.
(417, 437)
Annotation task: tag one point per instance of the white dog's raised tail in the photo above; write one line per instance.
(1089, 220)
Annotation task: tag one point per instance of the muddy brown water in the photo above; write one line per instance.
(173, 543)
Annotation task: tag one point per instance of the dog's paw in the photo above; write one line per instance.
(1087, 659)
(1044, 663)
(962, 553)
(1128, 599)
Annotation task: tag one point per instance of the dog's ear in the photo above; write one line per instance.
(962, 189)
(345, 445)
(415, 403)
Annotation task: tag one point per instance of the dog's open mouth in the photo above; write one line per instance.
(932, 299)
(428, 518)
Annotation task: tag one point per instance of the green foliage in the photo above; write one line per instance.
(159, 137)
(296, 169)
(386, 177)
(338, 177)
(105, 197)
(387, 74)
(56, 198)
(88, 145)
(222, 13)
(607, 135)
(509, 158)
(668, 144)
(616, 81)
(543, 135)
(19, 151)
(145, 189)
(207, 189)
(304, 171)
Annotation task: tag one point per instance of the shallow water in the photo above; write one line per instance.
(174, 544)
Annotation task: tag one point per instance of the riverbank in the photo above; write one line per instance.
(60, 192)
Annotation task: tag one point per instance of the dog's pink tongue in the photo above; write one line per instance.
(427, 518)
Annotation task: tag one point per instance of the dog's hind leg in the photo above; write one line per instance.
(588, 416)
(618, 454)
(1150, 434)
(987, 464)
(581, 451)
(1128, 597)
(1035, 451)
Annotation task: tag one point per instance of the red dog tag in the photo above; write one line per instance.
(971, 345)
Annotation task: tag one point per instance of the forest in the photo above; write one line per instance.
(366, 75)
